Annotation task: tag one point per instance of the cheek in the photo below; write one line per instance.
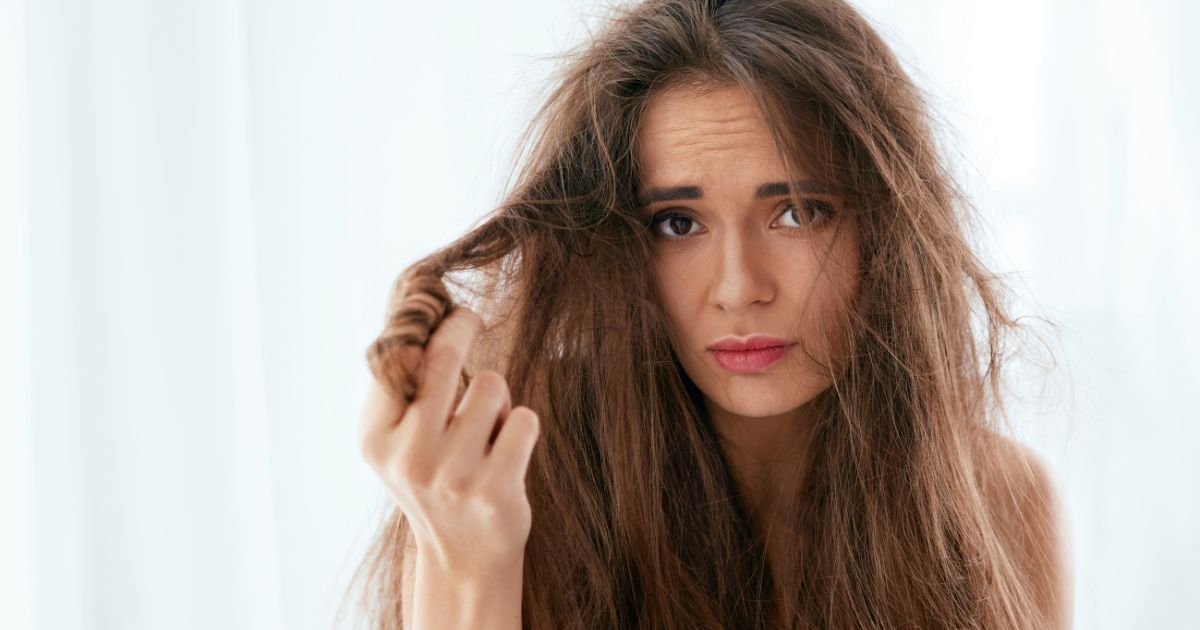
(844, 275)
(678, 291)
(834, 291)
(838, 284)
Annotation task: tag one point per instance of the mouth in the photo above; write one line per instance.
(745, 356)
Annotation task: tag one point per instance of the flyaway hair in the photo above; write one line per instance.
(907, 513)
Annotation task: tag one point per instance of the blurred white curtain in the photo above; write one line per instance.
(203, 205)
(1079, 125)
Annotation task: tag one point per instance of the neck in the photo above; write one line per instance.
(763, 452)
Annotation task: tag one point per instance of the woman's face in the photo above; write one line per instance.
(736, 256)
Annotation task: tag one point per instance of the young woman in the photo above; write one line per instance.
(731, 360)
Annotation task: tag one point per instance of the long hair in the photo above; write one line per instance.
(637, 520)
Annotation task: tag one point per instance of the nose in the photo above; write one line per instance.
(743, 275)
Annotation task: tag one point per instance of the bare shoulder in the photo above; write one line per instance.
(1026, 505)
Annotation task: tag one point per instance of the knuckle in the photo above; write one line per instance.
(370, 448)
(410, 470)
(455, 487)
(498, 496)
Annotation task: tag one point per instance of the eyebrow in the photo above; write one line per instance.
(769, 189)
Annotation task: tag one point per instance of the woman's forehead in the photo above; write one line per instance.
(690, 132)
(684, 131)
(683, 118)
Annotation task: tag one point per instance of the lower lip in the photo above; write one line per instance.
(747, 361)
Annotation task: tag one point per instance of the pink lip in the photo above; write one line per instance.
(752, 354)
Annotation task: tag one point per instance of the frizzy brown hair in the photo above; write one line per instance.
(636, 518)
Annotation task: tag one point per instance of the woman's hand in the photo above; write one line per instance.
(466, 501)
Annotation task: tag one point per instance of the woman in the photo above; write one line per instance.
(731, 361)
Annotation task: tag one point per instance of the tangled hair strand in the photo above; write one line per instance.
(905, 516)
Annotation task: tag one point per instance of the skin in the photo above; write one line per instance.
(462, 492)
(744, 265)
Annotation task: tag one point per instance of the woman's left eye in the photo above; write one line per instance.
(815, 213)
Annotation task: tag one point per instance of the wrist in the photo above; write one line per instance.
(469, 568)
(482, 595)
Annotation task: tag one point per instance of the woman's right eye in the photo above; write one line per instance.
(678, 224)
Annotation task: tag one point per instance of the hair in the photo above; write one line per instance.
(637, 519)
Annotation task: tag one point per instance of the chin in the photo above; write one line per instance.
(753, 402)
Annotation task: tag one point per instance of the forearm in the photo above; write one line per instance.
(450, 599)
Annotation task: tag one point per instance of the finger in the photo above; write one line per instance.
(379, 414)
(514, 445)
(445, 353)
(486, 400)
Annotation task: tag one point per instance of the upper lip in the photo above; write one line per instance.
(753, 342)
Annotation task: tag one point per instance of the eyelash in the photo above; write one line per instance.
(824, 211)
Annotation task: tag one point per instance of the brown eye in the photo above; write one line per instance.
(815, 212)
(678, 225)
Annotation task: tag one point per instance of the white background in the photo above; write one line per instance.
(203, 204)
